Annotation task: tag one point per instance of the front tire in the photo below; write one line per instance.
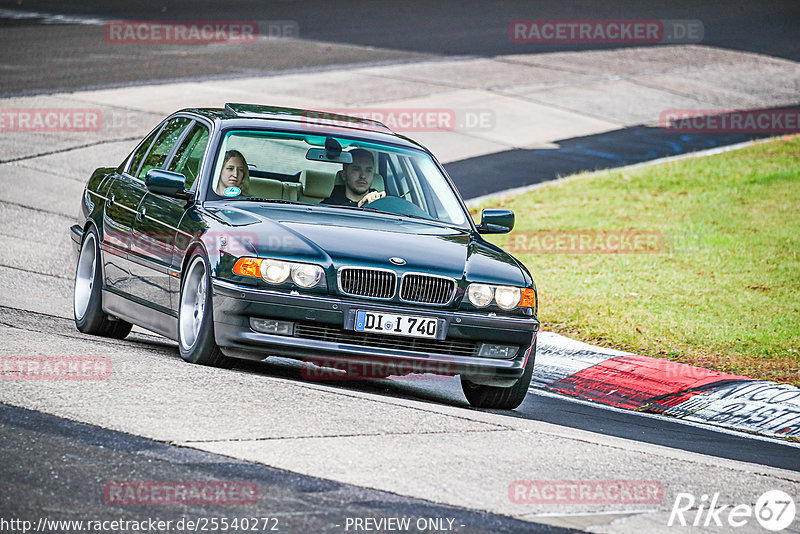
(500, 398)
(87, 293)
(196, 316)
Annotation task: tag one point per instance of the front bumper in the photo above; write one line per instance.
(234, 305)
(76, 235)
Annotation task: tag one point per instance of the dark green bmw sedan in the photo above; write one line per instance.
(255, 231)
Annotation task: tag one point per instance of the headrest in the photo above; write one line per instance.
(316, 183)
(265, 188)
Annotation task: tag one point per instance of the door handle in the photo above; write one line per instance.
(110, 201)
(140, 215)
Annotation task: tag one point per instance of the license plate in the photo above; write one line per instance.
(399, 325)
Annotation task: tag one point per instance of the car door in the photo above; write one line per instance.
(156, 226)
(122, 198)
(188, 160)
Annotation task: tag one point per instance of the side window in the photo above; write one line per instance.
(139, 155)
(386, 169)
(397, 169)
(163, 145)
(190, 154)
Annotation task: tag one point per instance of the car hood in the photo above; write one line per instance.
(338, 237)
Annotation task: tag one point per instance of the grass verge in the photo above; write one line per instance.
(713, 278)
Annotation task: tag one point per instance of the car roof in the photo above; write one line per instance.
(246, 116)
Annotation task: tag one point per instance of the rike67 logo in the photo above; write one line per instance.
(774, 510)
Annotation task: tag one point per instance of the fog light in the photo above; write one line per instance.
(489, 350)
(272, 326)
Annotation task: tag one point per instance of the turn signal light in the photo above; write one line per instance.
(248, 267)
(528, 299)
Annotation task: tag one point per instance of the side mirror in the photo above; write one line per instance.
(170, 184)
(495, 221)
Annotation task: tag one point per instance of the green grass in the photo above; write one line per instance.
(723, 292)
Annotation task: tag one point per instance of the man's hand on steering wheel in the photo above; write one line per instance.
(371, 197)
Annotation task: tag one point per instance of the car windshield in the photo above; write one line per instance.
(286, 167)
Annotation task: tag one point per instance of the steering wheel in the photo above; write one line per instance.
(397, 205)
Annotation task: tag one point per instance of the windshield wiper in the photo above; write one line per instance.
(273, 200)
(342, 206)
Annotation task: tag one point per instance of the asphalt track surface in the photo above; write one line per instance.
(54, 464)
(518, 168)
(60, 466)
(42, 53)
(46, 57)
(538, 406)
(82, 458)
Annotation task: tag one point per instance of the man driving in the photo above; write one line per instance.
(357, 176)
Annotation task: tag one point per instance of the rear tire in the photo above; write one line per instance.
(87, 293)
(196, 316)
(500, 398)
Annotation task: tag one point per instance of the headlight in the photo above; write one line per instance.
(507, 297)
(480, 295)
(305, 274)
(275, 271)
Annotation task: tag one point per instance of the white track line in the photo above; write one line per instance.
(50, 18)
